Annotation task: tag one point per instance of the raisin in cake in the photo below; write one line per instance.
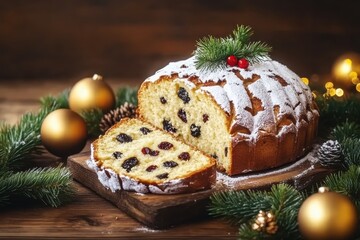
(247, 119)
(135, 156)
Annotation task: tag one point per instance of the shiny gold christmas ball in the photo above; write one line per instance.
(327, 215)
(91, 93)
(63, 132)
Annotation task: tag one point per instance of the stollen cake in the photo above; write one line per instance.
(247, 119)
(133, 155)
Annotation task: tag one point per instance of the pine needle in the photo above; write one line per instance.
(52, 186)
(346, 182)
(126, 94)
(211, 53)
(242, 206)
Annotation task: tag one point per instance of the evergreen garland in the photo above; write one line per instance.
(211, 53)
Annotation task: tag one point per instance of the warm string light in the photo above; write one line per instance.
(347, 69)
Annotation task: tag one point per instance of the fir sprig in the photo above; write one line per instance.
(22, 140)
(242, 206)
(18, 144)
(346, 182)
(211, 53)
(345, 131)
(52, 186)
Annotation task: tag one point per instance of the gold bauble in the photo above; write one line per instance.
(327, 215)
(63, 132)
(91, 93)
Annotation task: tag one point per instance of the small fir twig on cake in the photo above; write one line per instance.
(216, 53)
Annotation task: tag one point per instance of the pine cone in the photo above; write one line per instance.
(115, 115)
(330, 154)
(265, 222)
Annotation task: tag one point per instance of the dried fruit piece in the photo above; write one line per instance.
(205, 118)
(195, 130)
(170, 164)
(183, 95)
(167, 126)
(184, 156)
(214, 156)
(226, 151)
(123, 138)
(163, 100)
(182, 115)
(165, 145)
(129, 163)
(146, 150)
(162, 176)
(117, 154)
(151, 168)
(145, 130)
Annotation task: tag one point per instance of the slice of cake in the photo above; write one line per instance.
(133, 155)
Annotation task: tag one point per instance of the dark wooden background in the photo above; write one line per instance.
(49, 39)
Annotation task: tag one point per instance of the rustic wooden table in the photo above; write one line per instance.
(88, 216)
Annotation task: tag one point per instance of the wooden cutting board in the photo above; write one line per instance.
(163, 211)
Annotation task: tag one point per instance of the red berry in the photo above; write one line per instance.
(231, 60)
(243, 63)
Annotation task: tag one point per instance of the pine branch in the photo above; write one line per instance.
(351, 151)
(345, 130)
(92, 118)
(126, 94)
(22, 140)
(346, 182)
(52, 186)
(211, 53)
(238, 206)
(334, 111)
(242, 206)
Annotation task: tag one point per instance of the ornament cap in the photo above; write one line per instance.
(323, 189)
(97, 77)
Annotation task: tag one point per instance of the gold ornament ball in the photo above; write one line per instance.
(89, 93)
(63, 132)
(327, 215)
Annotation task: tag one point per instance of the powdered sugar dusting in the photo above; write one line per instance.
(114, 182)
(269, 81)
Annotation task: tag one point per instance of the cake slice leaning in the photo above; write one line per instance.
(135, 156)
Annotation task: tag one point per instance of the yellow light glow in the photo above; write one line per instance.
(314, 94)
(305, 80)
(339, 92)
(345, 67)
(355, 80)
(332, 92)
(353, 75)
(329, 85)
(358, 87)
